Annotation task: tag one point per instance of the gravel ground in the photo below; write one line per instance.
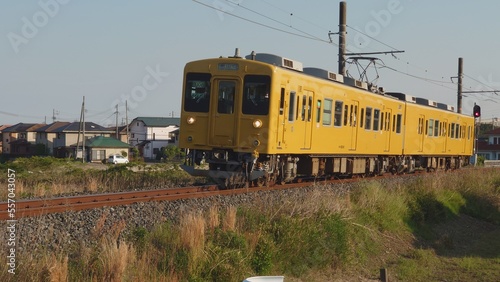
(55, 231)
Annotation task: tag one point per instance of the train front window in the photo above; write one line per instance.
(256, 95)
(197, 92)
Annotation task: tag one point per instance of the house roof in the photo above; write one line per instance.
(158, 121)
(106, 142)
(121, 128)
(2, 127)
(52, 127)
(89, 127)
(23, 127)
(495, 131)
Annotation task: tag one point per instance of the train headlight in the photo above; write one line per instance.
(190, 138)
(257, 123)
(256, 143)
(191, 120)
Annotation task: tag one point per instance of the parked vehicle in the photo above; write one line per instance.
(117, 159)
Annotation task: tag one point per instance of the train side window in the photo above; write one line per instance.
(368, 120)
(388, 121)
(282, 101)
(436, 128)
(309, 109)
(457, 128)
(426, 127)
(197, 92)
(304, 104)
(318, 111)
(468, 132)
(394, 123)
(398, 123)
(346, 114)
(291, 107)
(376, 119)
(450, 134)
(354, 116)
(337, 118)
(430, 130)
(362, 119)
(327, 112)
(382, 121)
(297, 108)
(420, 125)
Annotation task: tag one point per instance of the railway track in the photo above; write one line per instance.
(36, 207)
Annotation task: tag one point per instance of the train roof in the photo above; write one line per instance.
(338, 78)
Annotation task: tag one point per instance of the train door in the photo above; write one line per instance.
(444, 135)
(222, 131)
(307, 117)
(386, 129)
(280, 137)
(353, 120)
(463, 137)
(421, 131)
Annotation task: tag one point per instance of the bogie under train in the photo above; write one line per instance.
(266, 119)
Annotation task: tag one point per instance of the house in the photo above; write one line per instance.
(19, 139)
(151, 134)
(489, 146)
(46, 135)
(99, 148)
(70, 137)
(122, 133)
(2, 127)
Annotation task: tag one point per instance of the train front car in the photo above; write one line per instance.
(226, 110)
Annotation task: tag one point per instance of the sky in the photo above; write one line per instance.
(55, 52)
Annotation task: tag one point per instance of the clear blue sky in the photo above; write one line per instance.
(52, 53)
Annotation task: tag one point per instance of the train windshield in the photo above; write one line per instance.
(197, 96)
(256, 92)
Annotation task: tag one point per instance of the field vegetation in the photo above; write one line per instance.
(437, 227)
(48, 176)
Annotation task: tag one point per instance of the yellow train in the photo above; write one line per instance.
(266, 119)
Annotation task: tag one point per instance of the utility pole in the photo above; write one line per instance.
(342, 36)
(459, 92)
(117, 136)
(126, 119)
(83, 140)
(342, 41)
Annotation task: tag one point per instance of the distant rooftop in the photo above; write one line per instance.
(158, 121)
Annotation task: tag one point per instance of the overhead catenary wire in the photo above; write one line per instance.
(261, 24)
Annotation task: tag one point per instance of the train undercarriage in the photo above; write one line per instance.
(231, 169)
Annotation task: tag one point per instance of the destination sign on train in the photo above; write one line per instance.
(229, 67)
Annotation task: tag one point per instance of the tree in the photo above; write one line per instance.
(171, 152)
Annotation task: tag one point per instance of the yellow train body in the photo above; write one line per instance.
(267, 117)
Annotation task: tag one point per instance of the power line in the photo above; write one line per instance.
(261, 24)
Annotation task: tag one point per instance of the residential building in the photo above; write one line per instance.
(489, 145)
(70, 136)
(99, 148)
(2, 127)
(19, 139)
(151, 134)
(46, 135)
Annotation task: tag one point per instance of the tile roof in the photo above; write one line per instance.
(158, 121)
(89, 127)
(23, 127)
(106, 142)
(51, 127)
